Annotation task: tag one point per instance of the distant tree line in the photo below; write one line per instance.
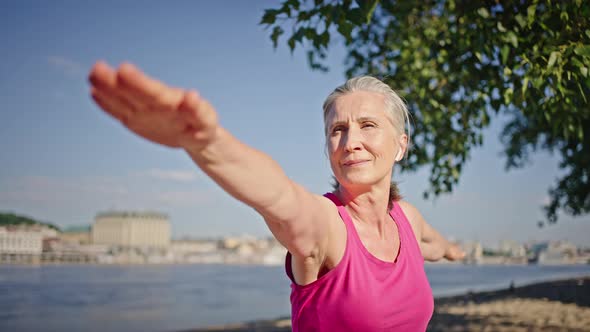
(7, 219)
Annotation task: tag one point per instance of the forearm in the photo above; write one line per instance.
(434, 246)
(244, 172)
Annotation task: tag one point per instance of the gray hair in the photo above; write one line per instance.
(394, 105)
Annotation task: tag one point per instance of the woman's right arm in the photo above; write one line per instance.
(182, 119)
(295, 216)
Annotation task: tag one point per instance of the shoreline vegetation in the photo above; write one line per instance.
(559, 305)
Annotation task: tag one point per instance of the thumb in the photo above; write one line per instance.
(197, 112)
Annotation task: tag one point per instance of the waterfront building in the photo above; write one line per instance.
(512, 249)
(473, 252)
(230, 243)
(76, 235)
(558, 253)
(131, 229)
(193, 246)
(20, 240)
(275, 255)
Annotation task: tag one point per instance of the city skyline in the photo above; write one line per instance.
(64, 161)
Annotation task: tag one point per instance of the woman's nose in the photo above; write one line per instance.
(352, 140)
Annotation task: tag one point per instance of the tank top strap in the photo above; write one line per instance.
(343, 214)
(405, 229)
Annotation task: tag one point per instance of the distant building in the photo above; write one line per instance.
(17, 240)
(76, 237)
(473, 252)
(131, 229)
(275, 255)
(512, 249)
(558, 253)
(193, 246)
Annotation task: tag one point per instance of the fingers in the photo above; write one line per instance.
(145, 91)
(102, 76)
(134, 88)
(116, 107)
(104, 92)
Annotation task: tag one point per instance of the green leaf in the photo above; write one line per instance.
(584, 71)
(525, 86)
(587, 33)
(291, 43)
(547, 116)
(434, 103)
(355, 16)
(483, 12)
(478, 56)
(520, 20)
(552, 59)
(512, 39)
(276, 33)
(269, 17)
(504, 52)
(531, 14)
(455, 173)
(583, 50)
(501, 28)
(582, 92)
(564, 16)
(325, 38)
(345, 29)
(576, 62)
(508, 93)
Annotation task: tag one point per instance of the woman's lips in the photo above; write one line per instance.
(353, 163)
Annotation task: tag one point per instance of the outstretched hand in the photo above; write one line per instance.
(454, 253)
(162, 114)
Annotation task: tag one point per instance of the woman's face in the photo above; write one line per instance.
(362, 142)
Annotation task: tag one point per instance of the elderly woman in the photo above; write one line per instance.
(356, 255)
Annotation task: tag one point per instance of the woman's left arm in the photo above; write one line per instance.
(433, 245)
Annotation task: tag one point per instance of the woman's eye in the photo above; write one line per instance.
(368, 125)
(337, 129)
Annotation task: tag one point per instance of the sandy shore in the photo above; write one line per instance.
(562, 305)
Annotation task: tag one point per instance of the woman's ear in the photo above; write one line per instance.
(403, 146)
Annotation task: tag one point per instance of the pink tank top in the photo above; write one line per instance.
(363, 293)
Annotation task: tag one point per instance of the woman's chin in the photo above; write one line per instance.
(356, 182)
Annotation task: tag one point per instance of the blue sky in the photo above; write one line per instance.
(63, 160)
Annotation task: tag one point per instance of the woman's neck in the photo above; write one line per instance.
(368, 207)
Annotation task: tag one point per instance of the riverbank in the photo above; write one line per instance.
(562, 305)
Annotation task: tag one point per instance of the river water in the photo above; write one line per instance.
(97, 298)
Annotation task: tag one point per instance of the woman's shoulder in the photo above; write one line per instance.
(414, 217)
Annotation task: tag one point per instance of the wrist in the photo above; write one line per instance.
(203, 141)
